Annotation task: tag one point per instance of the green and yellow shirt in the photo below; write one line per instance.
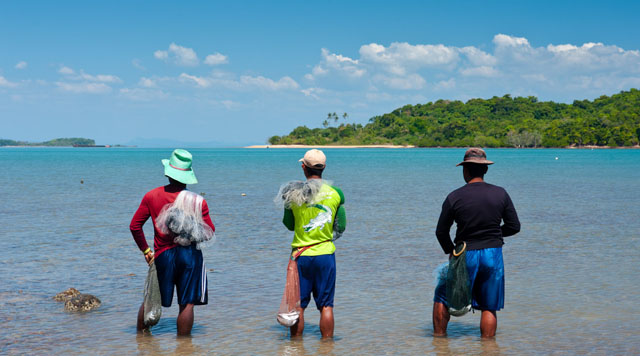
(315, 222)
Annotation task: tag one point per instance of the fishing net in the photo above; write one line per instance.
(183, 218)
(458, 284)
(288, 313)
(152, 298)
(298, 192)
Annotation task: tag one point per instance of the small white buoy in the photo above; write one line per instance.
(556, 158)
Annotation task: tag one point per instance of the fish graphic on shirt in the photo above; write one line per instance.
(324, 216)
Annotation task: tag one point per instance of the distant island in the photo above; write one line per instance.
(57, 142)
(497, 122)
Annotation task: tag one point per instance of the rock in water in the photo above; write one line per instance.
(82, 303)
(66, 295)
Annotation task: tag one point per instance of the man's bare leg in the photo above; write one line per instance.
(326, 322)
(488, 323)
(185, 320)
(140, 324)
(441, 318)
(298, 327)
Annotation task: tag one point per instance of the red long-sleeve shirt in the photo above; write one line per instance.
(151, 206)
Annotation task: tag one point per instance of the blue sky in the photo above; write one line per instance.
(238, 72)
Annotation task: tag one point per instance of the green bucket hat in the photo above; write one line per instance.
(179, 168)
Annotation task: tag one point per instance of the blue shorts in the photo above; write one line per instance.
(317, 276)
(486, 273)
(183, 267)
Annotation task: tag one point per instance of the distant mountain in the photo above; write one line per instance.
(56, 142)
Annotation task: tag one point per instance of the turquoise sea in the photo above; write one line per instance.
(571, 273)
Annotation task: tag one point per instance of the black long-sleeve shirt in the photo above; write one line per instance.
(478, 210)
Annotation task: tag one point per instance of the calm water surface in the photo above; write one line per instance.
(571, 274)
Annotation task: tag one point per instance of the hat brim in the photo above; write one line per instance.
(186, 177)
(306, 165)
(484, 161)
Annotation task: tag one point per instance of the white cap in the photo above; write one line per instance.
(314, 159)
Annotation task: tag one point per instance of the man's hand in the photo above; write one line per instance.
(149, 257)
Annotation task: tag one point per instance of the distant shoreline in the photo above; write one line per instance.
(409, 146)
(329, 146)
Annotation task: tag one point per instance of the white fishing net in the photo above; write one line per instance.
(183, 219)
(152, 297)
(298, 192)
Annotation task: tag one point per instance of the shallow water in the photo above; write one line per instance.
(570, 274)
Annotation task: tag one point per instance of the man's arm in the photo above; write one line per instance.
(206, 217)
(288, 219)
(341, 214)
(444, 225)
(511, 224)
(139, 218)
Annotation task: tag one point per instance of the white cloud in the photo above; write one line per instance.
(229, 104)
(138, 64)
(21, 65)
(215, 59)
(401, 58)
(66, 71)
(337, 63)
(502, 40)
(513, 65)
(245, 82)
(101, 78)
(199, 81)
(313, 92)
(482, 71)
(445, 84)
(478, 57)
(179, 55)
(141, 94)
(161, 54)
(104, 78)
(5, 83)
(146, 82)
(268, 84)
(84, 88)
(409, 82)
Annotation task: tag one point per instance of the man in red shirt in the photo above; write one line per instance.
(177, 265)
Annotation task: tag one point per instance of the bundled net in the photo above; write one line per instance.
(303, 192)
(183, 218)
(298, 192)
(152, 298)
(458, 284)
(288, 313)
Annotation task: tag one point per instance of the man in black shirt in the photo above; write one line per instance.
(478, 208)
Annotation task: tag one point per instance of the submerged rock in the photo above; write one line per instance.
(76, 301)
(66, 295)
(82, 303)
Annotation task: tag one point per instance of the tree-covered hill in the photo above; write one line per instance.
(496, 122)
(57, 142)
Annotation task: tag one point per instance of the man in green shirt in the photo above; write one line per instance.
(314, 210)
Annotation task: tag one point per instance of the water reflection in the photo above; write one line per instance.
(147, 344)
(444, 346)
(295, 347)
